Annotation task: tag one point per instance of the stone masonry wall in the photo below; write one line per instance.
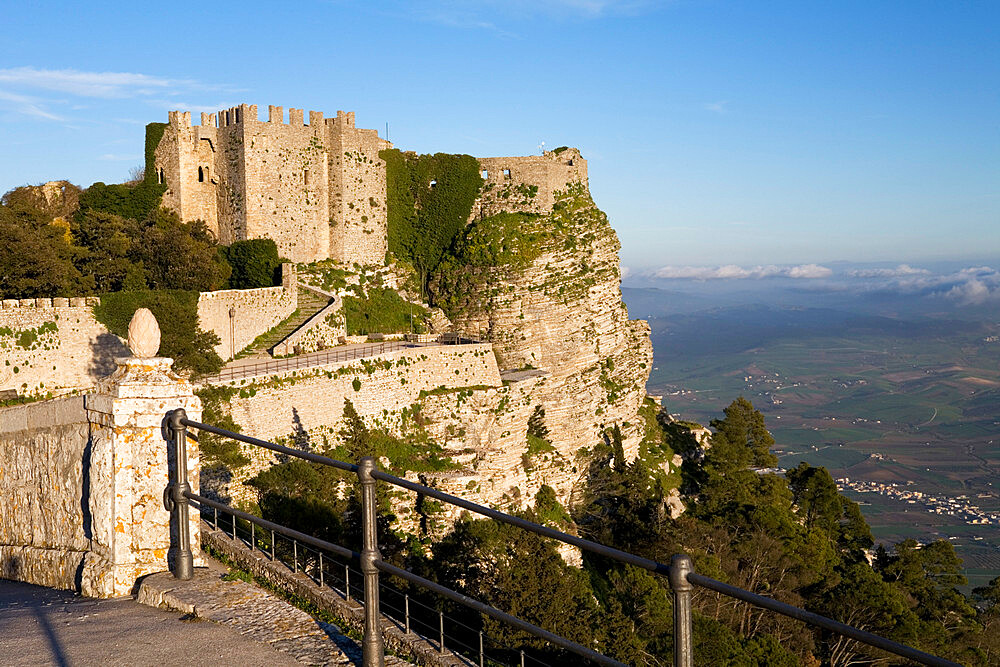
(358, 195)
(45, 525)
(316, 189)
(308, 405)
(527, 184)
(82, 480)
(256, 311)
(54, 345)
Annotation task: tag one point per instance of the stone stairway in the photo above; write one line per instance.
(310, 303)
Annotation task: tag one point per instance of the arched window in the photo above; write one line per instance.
(159, 176)
(201, 175)
(486, 174)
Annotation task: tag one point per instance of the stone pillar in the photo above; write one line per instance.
(129, 472)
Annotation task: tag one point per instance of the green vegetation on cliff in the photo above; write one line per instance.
(382, 310)
(429, 200)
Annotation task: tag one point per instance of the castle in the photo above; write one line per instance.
(318, 189)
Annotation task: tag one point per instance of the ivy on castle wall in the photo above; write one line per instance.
(134, 201)
(429, 199)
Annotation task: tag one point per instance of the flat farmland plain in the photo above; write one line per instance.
(913, 404)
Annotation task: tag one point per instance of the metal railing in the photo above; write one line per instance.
(305, 361)
(680, 573)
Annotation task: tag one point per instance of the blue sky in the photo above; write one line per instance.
(717, 133)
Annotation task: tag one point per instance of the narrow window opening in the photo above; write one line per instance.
(201, 175)
(159, 176)
(486, 174)
(570, 163)
(506, 173)
(305, 176)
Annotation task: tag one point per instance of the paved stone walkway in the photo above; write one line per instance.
(43, 626)
(254, 613)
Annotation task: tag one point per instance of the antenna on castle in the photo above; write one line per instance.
(387, 130)
(541, 148)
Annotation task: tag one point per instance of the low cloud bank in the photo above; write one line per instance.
(732, 271)
(972, 285)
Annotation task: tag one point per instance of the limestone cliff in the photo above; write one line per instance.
(545, 290)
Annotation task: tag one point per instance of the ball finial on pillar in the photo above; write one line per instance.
(143, 334)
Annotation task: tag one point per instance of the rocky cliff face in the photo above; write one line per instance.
(545, 290)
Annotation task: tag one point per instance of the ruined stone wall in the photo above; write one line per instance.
(45, 525)
(54, 345)
(255, 312)
(358, 196)
(527, 184)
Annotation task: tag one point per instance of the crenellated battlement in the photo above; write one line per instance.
(48, 304)
(316, 189)
(319, 189)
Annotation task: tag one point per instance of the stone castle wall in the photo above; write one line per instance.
(54, 345)
(358, 232)
(255, 312)
(317, 190)
(527, 184)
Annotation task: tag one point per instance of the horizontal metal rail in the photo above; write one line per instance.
(277, 528)
(420, 581)
(306, 361)
(689, 578)
(530, 526)
(582, 651)
(819, 621)
(297, 453)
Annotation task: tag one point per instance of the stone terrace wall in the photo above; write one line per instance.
(44, 534)
(509, 181)
(309, 405)
(54, 345)
(387, 383)
(257, 311)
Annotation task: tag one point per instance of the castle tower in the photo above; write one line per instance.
(316, 189)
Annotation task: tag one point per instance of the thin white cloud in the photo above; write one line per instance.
(901, 270)
(735, 272)
(25, 104)
(87, 84)
(34, 91)
(626, 272)
(716, 107)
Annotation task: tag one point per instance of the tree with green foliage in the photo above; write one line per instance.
(180, 255)
(108, 243)
(176, 311)
(254, 262)
(36, 259)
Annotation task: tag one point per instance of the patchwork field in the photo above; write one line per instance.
(914, 404)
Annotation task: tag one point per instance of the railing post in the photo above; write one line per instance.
(373, 652)
(680, 567)
(174, 499)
